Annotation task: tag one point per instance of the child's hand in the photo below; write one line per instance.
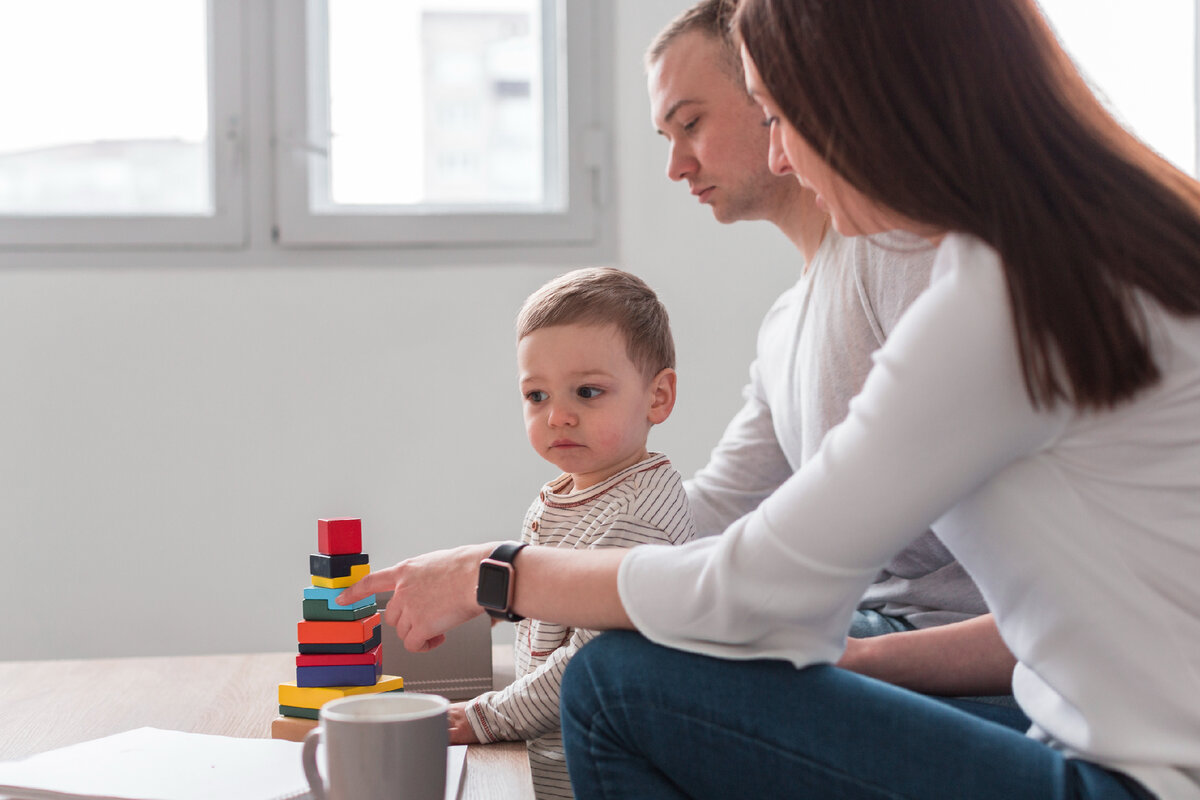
(461, 731)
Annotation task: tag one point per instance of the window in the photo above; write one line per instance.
(304, 125)
(1141, 60)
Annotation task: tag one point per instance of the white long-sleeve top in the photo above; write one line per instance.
(1082, 529)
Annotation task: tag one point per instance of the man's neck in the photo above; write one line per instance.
(803, 223)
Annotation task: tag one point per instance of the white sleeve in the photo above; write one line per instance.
(944, 408)
(745, 467)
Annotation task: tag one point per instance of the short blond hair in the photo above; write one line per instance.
(605, 296)
(709, 17)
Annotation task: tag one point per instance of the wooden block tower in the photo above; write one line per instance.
(340, 651)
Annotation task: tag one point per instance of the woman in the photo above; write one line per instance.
(1038, 406)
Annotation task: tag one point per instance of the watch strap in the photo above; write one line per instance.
(506, 552)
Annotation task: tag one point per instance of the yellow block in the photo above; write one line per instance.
(316, 696)
(357, 573)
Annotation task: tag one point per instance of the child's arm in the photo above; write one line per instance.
(528, 707)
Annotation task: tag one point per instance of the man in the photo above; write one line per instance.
(814, 352)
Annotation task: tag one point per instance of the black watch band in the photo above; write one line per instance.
(497, 579)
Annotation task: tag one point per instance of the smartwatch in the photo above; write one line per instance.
(497, 578)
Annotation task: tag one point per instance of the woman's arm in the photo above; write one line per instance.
(965, 658)
(436, 591)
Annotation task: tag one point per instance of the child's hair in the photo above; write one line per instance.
(605, 296)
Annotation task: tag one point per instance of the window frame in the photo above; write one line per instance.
(246, 231)
(226, 227)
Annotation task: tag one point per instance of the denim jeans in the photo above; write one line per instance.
(644, 721)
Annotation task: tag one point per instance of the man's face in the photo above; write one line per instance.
(717, 142)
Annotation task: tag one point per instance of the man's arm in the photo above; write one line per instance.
(965, 658)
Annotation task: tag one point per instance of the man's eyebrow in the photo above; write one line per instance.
(676, 106)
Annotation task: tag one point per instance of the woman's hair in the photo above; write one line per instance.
(967, 115)
(605, 296)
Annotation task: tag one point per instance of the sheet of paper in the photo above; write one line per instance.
(154, 764)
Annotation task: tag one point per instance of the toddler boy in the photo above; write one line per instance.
(596, 367)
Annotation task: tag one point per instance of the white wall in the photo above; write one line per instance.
(169, 437)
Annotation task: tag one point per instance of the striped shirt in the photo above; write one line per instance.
(643, 504)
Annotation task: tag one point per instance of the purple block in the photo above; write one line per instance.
(340, 675)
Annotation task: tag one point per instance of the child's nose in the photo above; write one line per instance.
(561, 416)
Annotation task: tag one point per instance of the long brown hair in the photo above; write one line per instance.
(968, 116)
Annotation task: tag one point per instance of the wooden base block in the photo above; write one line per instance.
(293, 729)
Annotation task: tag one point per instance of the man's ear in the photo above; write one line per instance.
(662, 396)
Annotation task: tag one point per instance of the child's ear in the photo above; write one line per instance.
(662, 396)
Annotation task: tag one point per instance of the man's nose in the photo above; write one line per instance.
(681, 161)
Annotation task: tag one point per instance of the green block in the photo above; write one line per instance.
(320, 610)
(297, 711)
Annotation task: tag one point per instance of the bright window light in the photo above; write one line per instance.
(1140, 59)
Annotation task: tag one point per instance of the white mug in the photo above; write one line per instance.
(380, 747)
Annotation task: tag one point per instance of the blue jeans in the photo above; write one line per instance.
(640, 720)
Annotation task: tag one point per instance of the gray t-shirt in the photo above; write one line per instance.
(815, 348)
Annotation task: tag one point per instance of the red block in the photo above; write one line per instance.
(339, 536)
(372, 656)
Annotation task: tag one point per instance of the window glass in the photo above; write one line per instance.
(1140, 59)
(105, 108)
(433, 102)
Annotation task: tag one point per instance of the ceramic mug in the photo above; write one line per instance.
(380, 747)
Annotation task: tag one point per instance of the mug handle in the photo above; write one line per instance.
(308, 756)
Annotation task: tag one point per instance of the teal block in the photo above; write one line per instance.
(328, 595)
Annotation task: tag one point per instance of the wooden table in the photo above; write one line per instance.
(50, 704)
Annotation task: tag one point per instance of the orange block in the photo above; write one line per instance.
(350, 631)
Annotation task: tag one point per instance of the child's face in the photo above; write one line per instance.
(588, 409)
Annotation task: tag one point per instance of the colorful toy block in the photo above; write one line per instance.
(330, 595)
(357, 573)
(335, 566)
(319, 610)
(336, 632)
(339, 675)
(339, 535)
(373, 656)
(297, 711)
(292, 729)
(319, 648)
(316, 696)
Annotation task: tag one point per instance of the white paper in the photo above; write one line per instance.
(155, 764)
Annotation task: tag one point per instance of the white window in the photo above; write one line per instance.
(304, 125)
(1140, 58)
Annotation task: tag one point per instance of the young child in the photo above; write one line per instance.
(596, 367)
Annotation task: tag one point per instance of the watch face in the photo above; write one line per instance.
(493, 586)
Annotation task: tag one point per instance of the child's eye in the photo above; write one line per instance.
(536, 396)
(589, 392)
